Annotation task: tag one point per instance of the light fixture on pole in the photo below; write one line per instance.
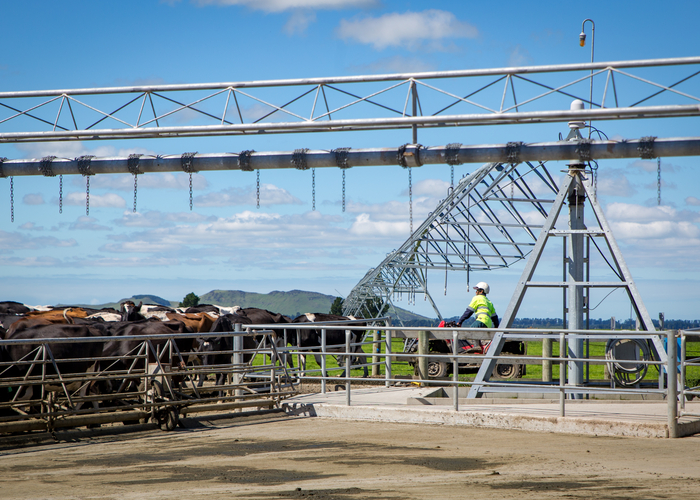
(582, 43)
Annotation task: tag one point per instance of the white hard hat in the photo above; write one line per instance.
(483, 286)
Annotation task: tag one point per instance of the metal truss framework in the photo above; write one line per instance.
(490, 220)
(411, 100)
(576, 283)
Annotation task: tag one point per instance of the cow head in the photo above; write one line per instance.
(130, 311)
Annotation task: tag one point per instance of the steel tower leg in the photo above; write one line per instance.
(575, 188)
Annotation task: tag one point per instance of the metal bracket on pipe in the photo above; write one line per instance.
(186, 162)
(513, 152)
(341, 157)
(452, 153)
(646, 147)
(133, 164)
(408, 155)
(244, 160)
(84, 165)
(299, 159)
(584, 150)
(2, 174)
(46, 169)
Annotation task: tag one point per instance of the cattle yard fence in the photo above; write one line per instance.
(155, 380)
(158, 380)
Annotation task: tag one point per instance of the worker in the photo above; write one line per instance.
(486, 316)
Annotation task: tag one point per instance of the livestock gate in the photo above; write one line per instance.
(479, 226)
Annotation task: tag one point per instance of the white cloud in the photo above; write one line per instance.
(33, 199)
(282, 5)
(17, 241)
(429, 187)
(269, 195)
(125, 182)
(395, 64)
(96, 200)
(410, 30)
(615, 183)
(158, 219)
(519, 56)
(638, 213)
(74, 149)
(298, 22)
(365, 227)
(30, 226)
(655, 230)
(85, 223)
(693, 201)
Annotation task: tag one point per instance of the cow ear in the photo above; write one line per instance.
(121, 307)
(138, 309)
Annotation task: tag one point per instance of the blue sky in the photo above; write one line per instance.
(226, 242)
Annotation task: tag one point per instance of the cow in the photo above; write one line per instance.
(335, 335)
(121, 351)
(204, 308)
(197, 322)
(130, 311)
(265, 317)
(215, 346)
(70, 358)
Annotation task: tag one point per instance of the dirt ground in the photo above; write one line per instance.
(275, 456)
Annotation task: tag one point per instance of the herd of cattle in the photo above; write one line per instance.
(20, 322)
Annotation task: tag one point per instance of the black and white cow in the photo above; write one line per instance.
(335, 336)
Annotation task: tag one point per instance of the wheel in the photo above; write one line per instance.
(168, 418)
(506, 371)
(437, 369)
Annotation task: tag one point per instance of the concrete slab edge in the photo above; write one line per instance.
(563, 425)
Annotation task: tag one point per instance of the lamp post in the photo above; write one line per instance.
(582, 43)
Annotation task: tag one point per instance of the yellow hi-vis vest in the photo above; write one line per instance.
(483, 309)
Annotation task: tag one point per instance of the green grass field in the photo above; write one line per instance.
(595, 370)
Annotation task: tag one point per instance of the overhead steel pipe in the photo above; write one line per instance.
(407, 156)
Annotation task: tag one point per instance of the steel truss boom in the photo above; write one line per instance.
(372, 102)
(409, 155)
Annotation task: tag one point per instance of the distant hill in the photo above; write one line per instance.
(290, 303)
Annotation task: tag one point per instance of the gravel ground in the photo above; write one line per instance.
(275, 456)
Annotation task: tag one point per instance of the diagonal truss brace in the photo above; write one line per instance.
(574, 179)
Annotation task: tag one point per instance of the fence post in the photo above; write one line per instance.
(672, 387)
(455, 370)
(348, 363)
(423, 361)
(682, 377)
(387, 357)
(323, 361)
(237, 358)
(547, 363)
(562, 374)
(377, 349)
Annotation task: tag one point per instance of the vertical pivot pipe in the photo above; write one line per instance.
(422, 359)
(672, 391)
(575, 274)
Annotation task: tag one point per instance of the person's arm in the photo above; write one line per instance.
(495, 320)
(465, 316)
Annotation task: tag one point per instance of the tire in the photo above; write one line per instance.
(506, 371)
(437, 369)
(168, 418)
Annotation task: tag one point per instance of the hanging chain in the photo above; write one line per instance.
(186, 163)
(60, 194)
(658, 181)
(135, 190)
(313, 189)
(410, 198)
(84, 169)
(133, 166)
(87, 195)
(190, 191)
(343, 190)
(341, 159)
(452, 176)
(12, 199)
(258, 188)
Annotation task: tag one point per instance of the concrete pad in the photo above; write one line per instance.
(590, 417)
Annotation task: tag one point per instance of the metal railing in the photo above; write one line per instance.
(156, 379)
